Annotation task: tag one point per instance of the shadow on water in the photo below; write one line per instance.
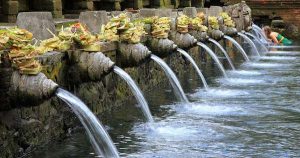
(255, 112)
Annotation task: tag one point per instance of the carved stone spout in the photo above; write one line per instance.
(216, 34)
(183, 40)
(199, 35)
(91, 66)
(130, 55)
(161, 47)
(230, 31)
(30, 89)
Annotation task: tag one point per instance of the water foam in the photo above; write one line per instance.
(241, 81)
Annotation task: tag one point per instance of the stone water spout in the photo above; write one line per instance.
(130, 55)
(30, 89)
(91, 66)
(161, 47)
(183, 40)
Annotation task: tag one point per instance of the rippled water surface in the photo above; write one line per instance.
(255, 112)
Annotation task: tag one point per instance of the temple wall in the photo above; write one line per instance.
(24, 128)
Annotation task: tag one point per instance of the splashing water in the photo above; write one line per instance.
(278, 58)
(265, 65)
(214, 57)
(238, 46)
(172, 78)
(224, 52)
(99, 138)
(245, 72)
(137, 93)
(185, 54)
(250, 42)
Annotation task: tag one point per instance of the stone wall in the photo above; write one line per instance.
(22, 129)
(71, 8)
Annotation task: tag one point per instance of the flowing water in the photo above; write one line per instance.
(255, 112)
(172, 78)
(224, 52)
(238, 46)
(260, 35)
(214, 57)
(258, 42)
(185, 54)
(98, 136)
(250, 42)
(137, 93)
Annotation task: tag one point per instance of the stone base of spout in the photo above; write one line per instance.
(130, 55)
(161, 47)
(183, 40)
(199, 35)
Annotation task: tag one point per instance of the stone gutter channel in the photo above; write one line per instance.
(26, 124)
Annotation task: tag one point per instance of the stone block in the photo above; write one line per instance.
(11, 7)
(138, 4)
(93, 19)
(57, 14)
(37, 23)
(190, 12)
(215, 10)
(148, 12)
(204, 10)
(164, 12)
(57, 5)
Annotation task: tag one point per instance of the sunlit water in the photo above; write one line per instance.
(255, 112)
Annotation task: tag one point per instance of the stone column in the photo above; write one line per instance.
(185, 3)
(138, 4)
(10, 10)
(57, 8)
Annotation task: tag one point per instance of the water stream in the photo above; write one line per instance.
(214, 57)
(238, 46)
(258, 41)
(258, 32)
(98, 136)
(172, 78)
(185, 54)
(224, 52)
(250, 42)
(137, 93)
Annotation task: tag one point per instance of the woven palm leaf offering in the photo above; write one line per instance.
(161, 27)
(197, 23)
(20, 52)
(119, 28)
(213, 22)
(60, 43)
(182, 24)
(84, 38)
(228, 26)
(227, 20)
(198, 29)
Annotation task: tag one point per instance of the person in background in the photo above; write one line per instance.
(275, 37)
